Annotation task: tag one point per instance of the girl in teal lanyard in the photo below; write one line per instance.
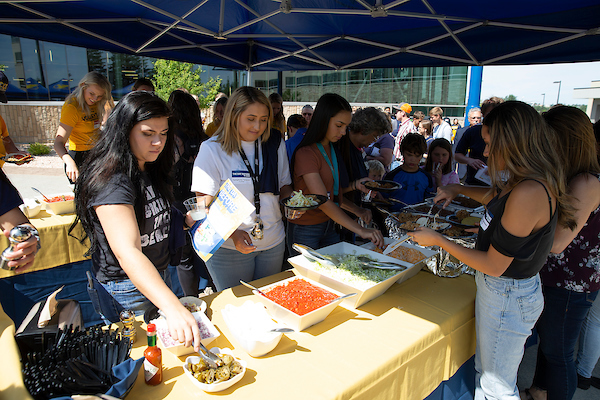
(318, 169)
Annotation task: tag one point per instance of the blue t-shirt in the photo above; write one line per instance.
(416, 186)
(9, 197)
(293, 142)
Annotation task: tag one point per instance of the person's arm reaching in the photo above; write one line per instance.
(122, 233)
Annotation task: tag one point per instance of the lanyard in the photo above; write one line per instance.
(333, 168)
(254, 174)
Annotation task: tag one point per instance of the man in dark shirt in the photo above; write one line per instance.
(470, 147)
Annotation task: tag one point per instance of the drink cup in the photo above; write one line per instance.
(196, 206)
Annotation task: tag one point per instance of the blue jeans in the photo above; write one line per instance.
(558, 329)
(227, 267)
(127, 296)
(313, 236)
(505, 313)
(589, 342)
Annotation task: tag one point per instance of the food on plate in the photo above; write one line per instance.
(18, 159)
(456, 231)
(300, 296)
(380, 185)
(300, 200)
(403, 253)
(472, 221)
(466, 202)
(351, 272)
(407, 217)
(424, 208)
(462, 214)
(57, 199)
(204, 374)
(410, 225)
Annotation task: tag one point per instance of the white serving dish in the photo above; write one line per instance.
(31, 207)
(414, 268)
(291, 319)
(307, 268)
(194, 301)
(209, 333)
(59, 207)
(214, 387)
(250, 324)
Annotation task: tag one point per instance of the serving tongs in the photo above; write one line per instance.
(386, 212)
(210, 358)
(313, 255)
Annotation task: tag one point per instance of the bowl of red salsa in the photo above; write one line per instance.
(59, 204)
(298, 302)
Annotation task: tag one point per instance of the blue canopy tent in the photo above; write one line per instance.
(318, 34)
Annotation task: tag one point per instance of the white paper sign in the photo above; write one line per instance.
(227, 211)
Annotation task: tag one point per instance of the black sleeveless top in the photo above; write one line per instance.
(529, 252)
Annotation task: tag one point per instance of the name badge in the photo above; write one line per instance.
(240, 174)
(485, 221)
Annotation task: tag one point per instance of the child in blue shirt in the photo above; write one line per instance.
(416, 183)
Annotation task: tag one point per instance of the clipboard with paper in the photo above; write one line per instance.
(226, 213)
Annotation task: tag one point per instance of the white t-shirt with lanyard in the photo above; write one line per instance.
(213, 167)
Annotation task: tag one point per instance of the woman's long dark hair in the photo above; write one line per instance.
(112, 155)
(186, 115)
(327, 107)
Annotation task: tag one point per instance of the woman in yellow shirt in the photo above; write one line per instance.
(80, 121)
(218, 112)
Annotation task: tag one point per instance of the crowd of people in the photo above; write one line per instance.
(537, 255)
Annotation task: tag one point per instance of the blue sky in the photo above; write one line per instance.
(528, 82)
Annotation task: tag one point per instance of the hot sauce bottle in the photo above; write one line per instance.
(152, 359)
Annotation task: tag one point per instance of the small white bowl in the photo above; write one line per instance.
(193, 302)
(250, 325)
(30, 207)
(214, 387)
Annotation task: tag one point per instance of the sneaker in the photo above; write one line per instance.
(595, 382)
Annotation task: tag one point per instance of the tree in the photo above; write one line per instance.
(510, 97)
(170, 75)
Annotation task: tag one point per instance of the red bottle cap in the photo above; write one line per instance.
(151, 328)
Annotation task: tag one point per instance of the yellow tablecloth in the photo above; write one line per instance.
(401, 345)
(58, 248)
(11, 380)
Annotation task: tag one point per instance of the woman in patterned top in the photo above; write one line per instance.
(571, 276)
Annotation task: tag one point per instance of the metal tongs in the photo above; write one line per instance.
(312, 255)
(210, 358)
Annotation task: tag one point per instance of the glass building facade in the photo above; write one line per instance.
(43, 71)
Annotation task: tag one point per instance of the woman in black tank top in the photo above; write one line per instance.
(515, 237)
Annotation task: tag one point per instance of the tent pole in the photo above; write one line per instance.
(248, 77)
(474, 95)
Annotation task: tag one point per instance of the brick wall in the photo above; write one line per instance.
(38, 122)
(29, 123)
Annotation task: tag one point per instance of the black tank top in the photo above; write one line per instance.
(529, 252)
